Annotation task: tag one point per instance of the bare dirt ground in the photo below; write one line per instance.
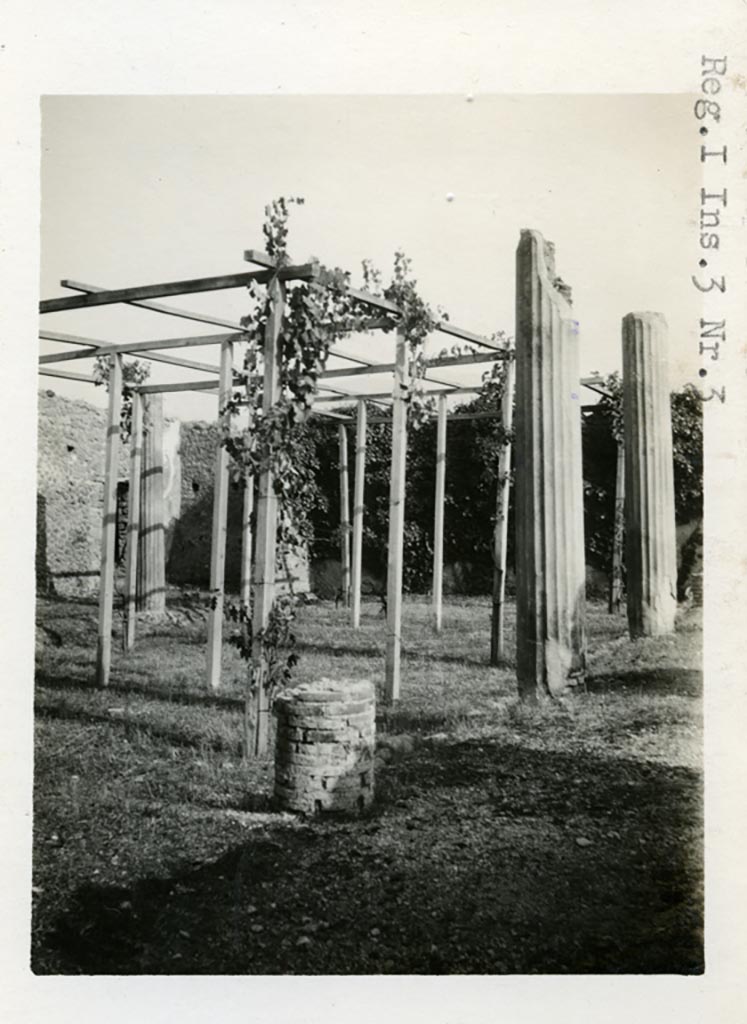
(504, 838)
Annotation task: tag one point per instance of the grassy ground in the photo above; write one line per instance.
(505, 839)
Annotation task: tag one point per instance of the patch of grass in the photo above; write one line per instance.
(559, 837)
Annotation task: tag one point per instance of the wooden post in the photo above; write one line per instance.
(358, 507)
(438, 529)
(258, 703)
(133, 520)
(344, 516)
(246, 540)
(500, 531)
(109, 524)
(220, 523)
(618, 534)
(396, 521)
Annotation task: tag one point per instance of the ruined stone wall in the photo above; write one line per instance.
(70, 494)
(189, 536)
(70, 491)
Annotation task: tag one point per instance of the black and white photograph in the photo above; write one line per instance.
(378, 538)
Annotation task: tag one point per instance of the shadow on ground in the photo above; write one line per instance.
(480, 857)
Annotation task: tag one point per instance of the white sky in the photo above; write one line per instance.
(137, 190)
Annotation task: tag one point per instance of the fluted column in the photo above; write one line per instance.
(650, 545)
(550, 570)
(151, 569)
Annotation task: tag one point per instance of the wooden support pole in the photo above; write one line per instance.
(500, 531)
(220, 523)
(438, 527)
(344, 516)
(618, 534)
(396, 521)
(133, 519)
(109, 523)
(358, 508)
(258, 699)
(246, 540)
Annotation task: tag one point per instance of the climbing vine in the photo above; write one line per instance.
(316, 314)
(134, 373)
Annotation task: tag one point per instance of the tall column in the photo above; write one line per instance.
(550, 570)
(438, 518)
(151, 568)
(618, 533)
(133, 520)
(109, 523)
(396, 523)
(344, 516)
(650, 545)
(358, 509)
(500, 532)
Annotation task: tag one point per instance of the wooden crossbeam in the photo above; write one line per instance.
(154, 357)
(163, 389)
(158, 307)
(373, 368)
(306, 272)
(85, 377)
(128, 347)
(262, 259)
(444, 327)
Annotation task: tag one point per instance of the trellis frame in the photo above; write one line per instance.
(264, 568)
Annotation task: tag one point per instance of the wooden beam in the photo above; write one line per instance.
(306, 272)
(153, 357)
(261, 259)
(385, 397)
(246, 540)
(85, 377)
(438, 528)
(109, 524)
(342, 436)
(618, 535)
(396, 522)
(133, 520)
(444, 327)
(373, 368)
(258, 703)
(500, 530)
(158, 307)
(190, 385)
(129, 347)
(358, 510)
(220, 524)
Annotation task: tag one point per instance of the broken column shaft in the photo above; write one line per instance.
(650, 545)
(550, 568)
(151, 569)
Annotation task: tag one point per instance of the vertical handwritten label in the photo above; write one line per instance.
(711, 278)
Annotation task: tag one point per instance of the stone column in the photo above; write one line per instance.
(550, 569)
(650, 545)
(151, 569)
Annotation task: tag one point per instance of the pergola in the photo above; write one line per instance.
(221, 380)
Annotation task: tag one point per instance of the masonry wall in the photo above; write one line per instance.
(70, 495)
(188, 537)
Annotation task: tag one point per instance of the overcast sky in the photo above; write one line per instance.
(137, 190)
